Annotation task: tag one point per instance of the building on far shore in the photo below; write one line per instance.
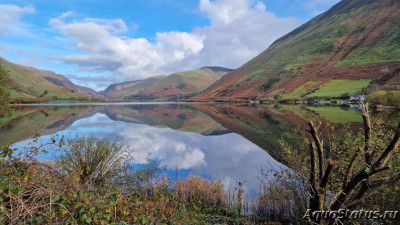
(360, 98)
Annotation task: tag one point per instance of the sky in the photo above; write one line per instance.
(98, 42)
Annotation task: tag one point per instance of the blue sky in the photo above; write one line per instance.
(98, 42)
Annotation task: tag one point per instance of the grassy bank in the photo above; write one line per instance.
(93, 182)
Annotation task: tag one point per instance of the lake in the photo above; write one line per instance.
(226, 141)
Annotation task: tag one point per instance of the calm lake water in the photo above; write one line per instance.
(212, 140)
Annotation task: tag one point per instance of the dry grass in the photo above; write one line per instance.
(197, 190)
(30, 189)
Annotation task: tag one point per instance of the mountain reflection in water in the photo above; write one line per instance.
(217, 140)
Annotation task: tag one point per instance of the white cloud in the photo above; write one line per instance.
(247, 33)
(224, 11)
(181, 40)
(239, 30)
(11, 14)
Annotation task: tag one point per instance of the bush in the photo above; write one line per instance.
(377, 98)
(391, 98)
(93, 160)
(394, 98)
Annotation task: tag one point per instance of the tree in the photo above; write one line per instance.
(4, 91)
(45, 92)
(356, 186)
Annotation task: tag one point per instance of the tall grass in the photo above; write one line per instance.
(92, 182)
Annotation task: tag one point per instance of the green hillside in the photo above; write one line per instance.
(32, 85)
(355, 41)
(176, 86)
(129, 88)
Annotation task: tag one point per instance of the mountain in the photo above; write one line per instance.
(176, 86)
(62, 81)
(29, 84)
(352, 48)
(121, 90)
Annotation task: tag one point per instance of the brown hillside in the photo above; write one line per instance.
(354, 40)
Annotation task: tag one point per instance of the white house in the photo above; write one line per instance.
(357, 98)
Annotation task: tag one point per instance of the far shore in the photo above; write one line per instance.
(235, 102)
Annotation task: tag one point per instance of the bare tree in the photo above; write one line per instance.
(356, 185)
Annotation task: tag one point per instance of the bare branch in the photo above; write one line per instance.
(373, 186)
(313, 188)
(313, 172)
(380, 169)
(320, 148)
(325, 178)
(348, 188)
(380, 182)
(394, 145)
(367, 133)
(351, 166)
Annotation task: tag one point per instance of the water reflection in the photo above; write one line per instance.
(184, 139)
(216, 140)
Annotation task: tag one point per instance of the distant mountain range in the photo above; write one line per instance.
(352, 48)
(29, 84)
(177, 86)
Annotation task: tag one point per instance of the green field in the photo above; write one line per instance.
(339, 88)
(16, 94)
(337, 114)
(303, 90)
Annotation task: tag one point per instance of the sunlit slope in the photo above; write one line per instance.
(30, 83)
(176, 86)
(355, 40)
(121, 90)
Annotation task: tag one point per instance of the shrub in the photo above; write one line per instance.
(394, 98)
(378, 98)
(93, 160)
(391, 98)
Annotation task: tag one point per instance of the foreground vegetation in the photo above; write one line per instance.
(353, 171)
(93, 182)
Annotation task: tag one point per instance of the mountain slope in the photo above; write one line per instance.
(30, 84)
(61, 81)
(175, 86)
(356, 43)
(129, 88)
